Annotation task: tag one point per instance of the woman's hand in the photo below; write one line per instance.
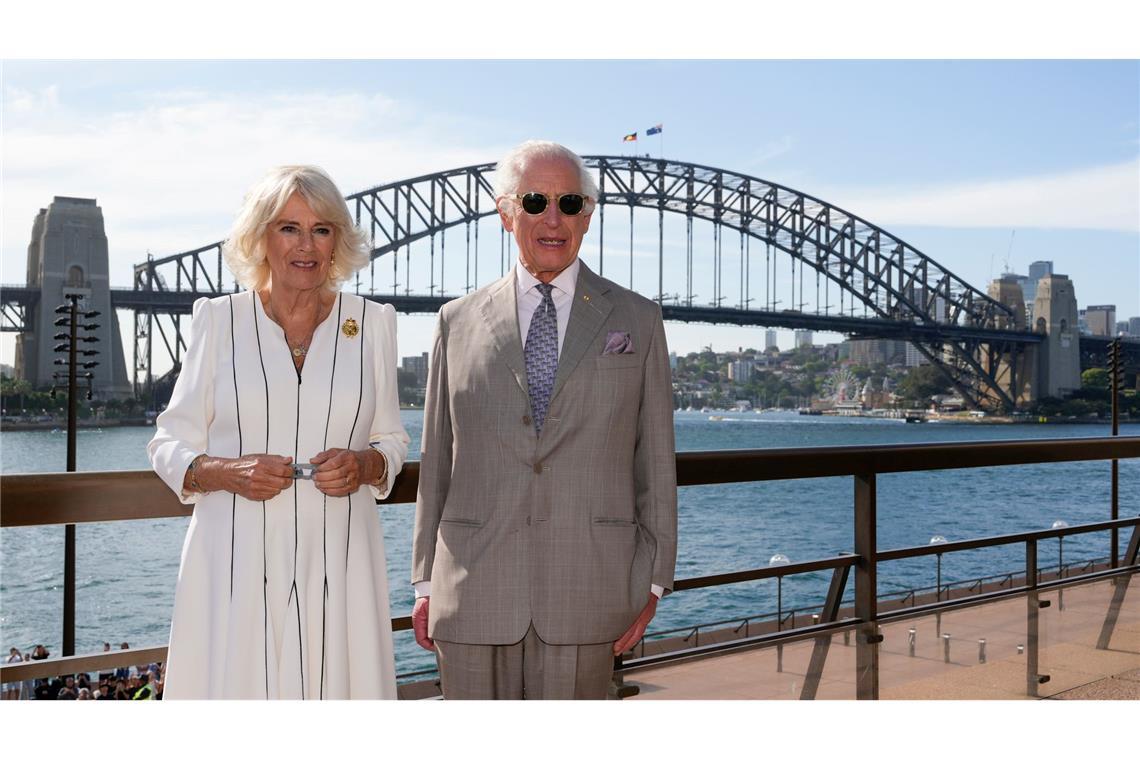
(341, 472)
(257, 477)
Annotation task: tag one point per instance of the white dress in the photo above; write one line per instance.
(286, 598)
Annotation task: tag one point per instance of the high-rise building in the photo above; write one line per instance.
(914, 357)
(803, 338)
(740, 371)
(1134, 327)
(1037, 270)
(417, 365)
(770, 340)
(68, 255)
(1101, 319)
(1121, 328)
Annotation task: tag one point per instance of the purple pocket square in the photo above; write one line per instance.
(618, 342)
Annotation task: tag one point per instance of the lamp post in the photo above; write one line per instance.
(70, 316)
(779, 560)
(1057, 525)
(938, 539)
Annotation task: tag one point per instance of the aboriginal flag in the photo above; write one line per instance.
(630, 138)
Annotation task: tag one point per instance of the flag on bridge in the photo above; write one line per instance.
(630, 138)
(653, 130)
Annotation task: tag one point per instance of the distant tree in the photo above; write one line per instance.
(1095, 378)
(922, 382)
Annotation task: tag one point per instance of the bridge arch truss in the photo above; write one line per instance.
(902, 293)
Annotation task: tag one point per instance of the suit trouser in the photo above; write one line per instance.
(528, 669)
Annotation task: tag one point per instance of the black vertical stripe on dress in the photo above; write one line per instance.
(237, 415)
(325, 502)
(293, 593)
(355, 419)
(264, 570)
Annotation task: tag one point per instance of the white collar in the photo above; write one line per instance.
(566, 280)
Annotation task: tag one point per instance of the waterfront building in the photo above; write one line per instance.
(417, 365)
(1101, 319)
(68, 255)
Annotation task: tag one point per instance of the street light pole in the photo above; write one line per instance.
(72, 317)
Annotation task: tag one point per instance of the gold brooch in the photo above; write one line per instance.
(350, 328)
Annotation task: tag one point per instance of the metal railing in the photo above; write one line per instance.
(68, 498)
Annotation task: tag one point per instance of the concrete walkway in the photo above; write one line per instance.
(1068, 632)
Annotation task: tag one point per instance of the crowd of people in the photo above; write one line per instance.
(129, 682)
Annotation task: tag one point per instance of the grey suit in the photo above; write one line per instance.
(564, 531)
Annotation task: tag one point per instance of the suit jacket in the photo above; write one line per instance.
(567, 530)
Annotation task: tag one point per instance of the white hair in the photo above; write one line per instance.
(244, 249)
(509, 170)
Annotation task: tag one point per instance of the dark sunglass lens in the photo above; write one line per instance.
(570, 204)
(534, 203)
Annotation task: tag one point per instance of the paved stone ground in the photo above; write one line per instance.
(1068, 632)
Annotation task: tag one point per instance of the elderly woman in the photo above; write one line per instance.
(283, 428)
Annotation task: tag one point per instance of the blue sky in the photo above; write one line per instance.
(952, 156)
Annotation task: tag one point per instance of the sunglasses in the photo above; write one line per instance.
(570, 204)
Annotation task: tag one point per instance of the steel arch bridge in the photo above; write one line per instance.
(883, 287)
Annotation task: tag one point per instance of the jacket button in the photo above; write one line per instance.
(538, 468)
(526, 419)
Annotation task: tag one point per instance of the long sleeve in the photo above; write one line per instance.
(435, 458)
(655, 474)
(387, 434)
(182, 430)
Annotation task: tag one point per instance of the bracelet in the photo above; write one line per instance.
(383, 467)
(194, 473)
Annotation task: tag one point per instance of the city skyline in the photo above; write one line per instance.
(1053, 174)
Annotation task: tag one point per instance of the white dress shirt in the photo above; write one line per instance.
(529, 298)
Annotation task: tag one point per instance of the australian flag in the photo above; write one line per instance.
(653, 130)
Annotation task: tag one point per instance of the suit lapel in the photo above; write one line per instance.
(500, 311)
(587, 315)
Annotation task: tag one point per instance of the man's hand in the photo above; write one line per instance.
(420, 621)
(635, 632)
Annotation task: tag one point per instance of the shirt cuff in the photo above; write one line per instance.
(423, 588)
(657, 591)
(381, 491)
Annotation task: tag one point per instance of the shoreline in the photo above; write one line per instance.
(61, 424)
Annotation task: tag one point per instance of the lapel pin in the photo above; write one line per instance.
(585, 298)
(350, 328)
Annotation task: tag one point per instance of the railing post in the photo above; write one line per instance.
(1031, 622)
(868, 638)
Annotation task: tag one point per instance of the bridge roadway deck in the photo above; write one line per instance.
(181, 302)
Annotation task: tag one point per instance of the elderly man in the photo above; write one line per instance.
(546, 522)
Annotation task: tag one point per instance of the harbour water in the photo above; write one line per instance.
(126, 570)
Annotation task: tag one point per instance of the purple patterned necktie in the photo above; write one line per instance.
(541, 353)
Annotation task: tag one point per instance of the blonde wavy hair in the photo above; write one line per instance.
(244, 249)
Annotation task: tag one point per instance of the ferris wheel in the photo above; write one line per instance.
(841, 386)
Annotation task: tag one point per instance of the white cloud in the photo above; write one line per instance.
(1099, 198)
(169, 176)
